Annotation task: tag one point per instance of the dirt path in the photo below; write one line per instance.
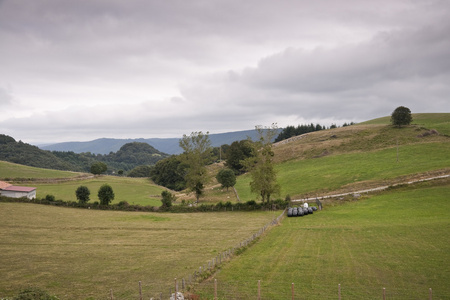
(380, 188)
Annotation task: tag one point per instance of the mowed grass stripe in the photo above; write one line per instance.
(398, 240)
(82, 254)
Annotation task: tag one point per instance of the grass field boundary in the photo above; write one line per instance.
(207, 270)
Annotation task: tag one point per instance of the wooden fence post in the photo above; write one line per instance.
(259, 289)
(339, 291)
(140, 291)
(176, 288)
(430, 296)
(111, 294)
(384, 293)
(292, 291)
(215, 289)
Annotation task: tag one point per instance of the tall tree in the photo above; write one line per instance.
(105, 194)
(401, 116)
(196, 153)
(83, 193)
(262, 172)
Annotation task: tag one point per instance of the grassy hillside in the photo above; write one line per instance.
(438, 121)
(63, 184)
(397, 240)
(133, 190)
(82, 254)
(356, 157)
(11, 170)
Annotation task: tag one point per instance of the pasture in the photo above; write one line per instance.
(398, 240)
(350, 171)
(82, 254)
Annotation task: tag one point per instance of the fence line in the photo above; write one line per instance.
(208, 268)
(228, 291)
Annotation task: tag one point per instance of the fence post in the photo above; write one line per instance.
(259, 289)
(384, 293)
(140, 291)
(111, 294)
(215, 289)
(339, 291)
(176, 288)
(292, 290)
(430, 297)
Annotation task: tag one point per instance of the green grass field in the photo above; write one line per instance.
(11, 171)
(316, 176)
(82, 254)
(398, 240)
(133, 190)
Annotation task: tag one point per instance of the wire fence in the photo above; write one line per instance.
(213, 289)
(283, 290)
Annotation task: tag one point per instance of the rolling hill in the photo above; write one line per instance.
(396, 239)
(166, 145)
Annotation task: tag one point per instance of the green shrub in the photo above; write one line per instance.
(50, 198)
(33, 293)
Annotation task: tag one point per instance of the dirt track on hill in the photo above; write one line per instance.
(374, 189)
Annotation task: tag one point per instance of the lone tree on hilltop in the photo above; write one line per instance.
(401, 116)
(82, 193)
(105, 194)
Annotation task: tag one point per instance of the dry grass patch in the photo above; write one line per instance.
(82, 254)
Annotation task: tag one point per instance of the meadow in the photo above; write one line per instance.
(11, 171)
(397, 240)
(82, 254)
(353, 171)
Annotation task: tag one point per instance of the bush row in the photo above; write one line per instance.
(125, 206)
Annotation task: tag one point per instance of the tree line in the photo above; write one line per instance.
(291, 131)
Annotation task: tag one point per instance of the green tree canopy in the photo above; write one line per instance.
(105, 194)
(262, 172)
(401, 116)
(83, 194)
(167, 199)
(169, 173)
(197, 150)
(98, 168)
(237, 153)
(226, 178)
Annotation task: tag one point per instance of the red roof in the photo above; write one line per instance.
(14, 188)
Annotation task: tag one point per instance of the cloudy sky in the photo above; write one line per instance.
(81, 70)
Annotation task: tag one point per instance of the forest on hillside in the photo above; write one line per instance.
(128, 157)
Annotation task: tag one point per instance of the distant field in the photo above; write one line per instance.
(82, 254)
(329, 173)
(10, 170)
(133, 190)
(398, 240)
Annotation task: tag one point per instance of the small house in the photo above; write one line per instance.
(13, 191)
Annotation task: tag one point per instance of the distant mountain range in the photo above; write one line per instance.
(166, 145)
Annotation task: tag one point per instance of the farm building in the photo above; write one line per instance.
(13, 191)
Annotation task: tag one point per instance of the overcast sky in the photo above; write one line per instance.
(81, 70)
